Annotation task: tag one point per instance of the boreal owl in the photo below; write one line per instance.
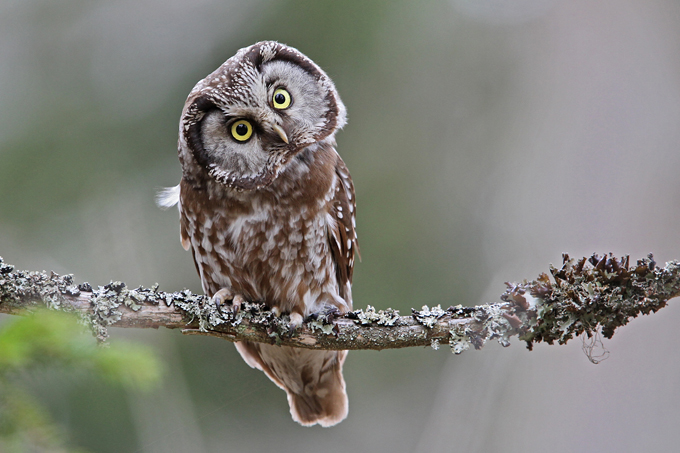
(267, 208)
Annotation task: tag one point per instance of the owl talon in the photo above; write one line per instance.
(221, 297)
(225, 300)
(236, 303)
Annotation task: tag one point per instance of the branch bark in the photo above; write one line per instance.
(585, 296)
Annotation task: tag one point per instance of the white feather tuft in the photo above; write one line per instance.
(167, 197)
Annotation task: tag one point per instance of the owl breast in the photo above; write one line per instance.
(271, 245)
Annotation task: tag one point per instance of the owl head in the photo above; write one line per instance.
(243, 123)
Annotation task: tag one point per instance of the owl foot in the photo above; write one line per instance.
(227, 302)
(295, 318)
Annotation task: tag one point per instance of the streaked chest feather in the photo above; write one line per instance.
(270, 250)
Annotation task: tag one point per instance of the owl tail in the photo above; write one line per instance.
(325, 402)
(312, 379)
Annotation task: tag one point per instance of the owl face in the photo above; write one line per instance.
(244, 122)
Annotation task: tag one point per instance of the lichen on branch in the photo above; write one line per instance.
(584, 296)
(592, 294)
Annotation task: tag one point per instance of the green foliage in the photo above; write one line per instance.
(24, 424)
(56, 338)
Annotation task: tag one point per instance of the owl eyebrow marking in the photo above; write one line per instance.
(274, 83)
(204, 104)
(196, 142)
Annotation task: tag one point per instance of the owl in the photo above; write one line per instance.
(267, 209)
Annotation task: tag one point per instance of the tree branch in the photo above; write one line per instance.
(584, 296)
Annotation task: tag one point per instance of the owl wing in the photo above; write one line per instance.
(342, 233)
(184, 237)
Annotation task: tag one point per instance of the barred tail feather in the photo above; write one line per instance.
(312, 380)
(325, 404)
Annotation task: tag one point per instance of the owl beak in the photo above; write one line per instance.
(279, 130)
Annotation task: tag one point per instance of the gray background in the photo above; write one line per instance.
(485, 138)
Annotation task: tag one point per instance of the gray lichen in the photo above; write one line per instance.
(370, 316)
(489, 322)
(428, 316)
(106, 302)
(590, 294)
(31, 289)
(459, 339)
(496, 325)
(324, 321)
(584, 297)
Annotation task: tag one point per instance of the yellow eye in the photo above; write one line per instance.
(241, 130)
(281, 99)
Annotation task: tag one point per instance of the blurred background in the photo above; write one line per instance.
(485, 138)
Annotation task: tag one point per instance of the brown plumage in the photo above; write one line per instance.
(267, 208)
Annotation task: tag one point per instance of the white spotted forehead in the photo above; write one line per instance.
(243, 70)
(268, 51)
(237, 80)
